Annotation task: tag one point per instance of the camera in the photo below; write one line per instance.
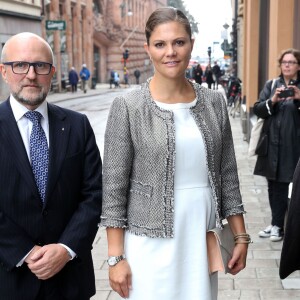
(288, 92)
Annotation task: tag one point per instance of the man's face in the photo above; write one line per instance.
(29, 89)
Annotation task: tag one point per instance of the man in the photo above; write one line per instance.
(112, 78)
(290, 260)
(137, 75)
(85, 76)
(217, 74)
(50, 183)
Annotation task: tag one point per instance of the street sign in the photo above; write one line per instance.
(55, 25)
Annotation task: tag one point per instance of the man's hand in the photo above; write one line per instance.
(28, 259)
(47, 261)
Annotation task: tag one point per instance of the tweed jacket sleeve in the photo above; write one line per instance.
(230, 198)
(117, 161)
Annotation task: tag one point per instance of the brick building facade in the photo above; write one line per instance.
(95, 32)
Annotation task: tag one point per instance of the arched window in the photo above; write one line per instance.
(97, 7)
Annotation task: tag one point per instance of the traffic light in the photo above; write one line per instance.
(126, 54)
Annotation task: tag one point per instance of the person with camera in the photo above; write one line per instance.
(278, 149)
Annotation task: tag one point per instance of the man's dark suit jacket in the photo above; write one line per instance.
(70, 214)
(290, 255)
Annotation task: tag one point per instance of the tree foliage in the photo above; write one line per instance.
(180, 5)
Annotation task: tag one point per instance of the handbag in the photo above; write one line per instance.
(258, 145)
(255, 135)
(262, 145)
(220, 244)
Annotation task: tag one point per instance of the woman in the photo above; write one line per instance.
(198, 74)
(209, 76)
(169, 176)
(280, 151)
(73, 79)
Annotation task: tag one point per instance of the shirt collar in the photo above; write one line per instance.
(19, 110)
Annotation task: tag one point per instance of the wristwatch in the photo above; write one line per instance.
(113, 260)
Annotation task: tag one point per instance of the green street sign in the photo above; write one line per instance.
(56, 25)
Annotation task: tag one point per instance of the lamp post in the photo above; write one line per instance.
(225, 37)
(125, 58)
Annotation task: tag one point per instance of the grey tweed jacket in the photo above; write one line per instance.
(139, 162)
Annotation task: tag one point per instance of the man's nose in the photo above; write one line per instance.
(31, 72)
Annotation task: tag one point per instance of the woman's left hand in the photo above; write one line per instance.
(238, 260)
(297, 92)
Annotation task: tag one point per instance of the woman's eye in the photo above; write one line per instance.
(158, 45)
(180, 43)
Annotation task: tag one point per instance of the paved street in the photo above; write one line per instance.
(260, 280)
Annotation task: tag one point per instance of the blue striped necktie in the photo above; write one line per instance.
(39, 152)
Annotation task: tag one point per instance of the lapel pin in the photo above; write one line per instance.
(63, 128)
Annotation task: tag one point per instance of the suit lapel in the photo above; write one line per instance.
(59, 130)
(11, 140)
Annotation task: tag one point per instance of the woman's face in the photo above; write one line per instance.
(289, 66)
(170, 49)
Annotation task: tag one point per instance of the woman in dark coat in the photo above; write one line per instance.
(209, 76)
(290, 258)
(198, 74)
(73, 79)
(279, 153)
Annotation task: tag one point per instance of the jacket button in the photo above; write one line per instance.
(45, 212)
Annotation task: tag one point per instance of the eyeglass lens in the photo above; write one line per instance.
(40, 68)
(284, 62)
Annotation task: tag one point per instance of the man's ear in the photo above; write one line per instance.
(52, 72)
(3, 72)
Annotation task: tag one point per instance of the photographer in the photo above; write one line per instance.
(279, 106)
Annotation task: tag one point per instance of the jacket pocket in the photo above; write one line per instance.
(139, 203)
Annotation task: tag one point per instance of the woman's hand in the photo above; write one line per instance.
(276, 96)
(296, 90)
(120, 278)
(238, 260)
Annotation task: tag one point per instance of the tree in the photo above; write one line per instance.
(180, 5)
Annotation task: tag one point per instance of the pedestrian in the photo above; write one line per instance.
(112, 78)
(164, 188)
(209, 76)
(50, 178)
(84, 76)
(137, 75)
(116, 79)
(126, 78)
(290, 259)
(216, 74)
(279, 151)
(73, 79)
(198, 73)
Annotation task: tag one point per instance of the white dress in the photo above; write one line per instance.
(176, 268)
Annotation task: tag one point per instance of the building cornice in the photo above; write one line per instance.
(20, 15)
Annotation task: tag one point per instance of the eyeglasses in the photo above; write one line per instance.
(289, 63)
(22, 67)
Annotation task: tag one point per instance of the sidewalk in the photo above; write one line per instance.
(101, 88)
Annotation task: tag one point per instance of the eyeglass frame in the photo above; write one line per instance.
(10, 63)
(289, 62)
